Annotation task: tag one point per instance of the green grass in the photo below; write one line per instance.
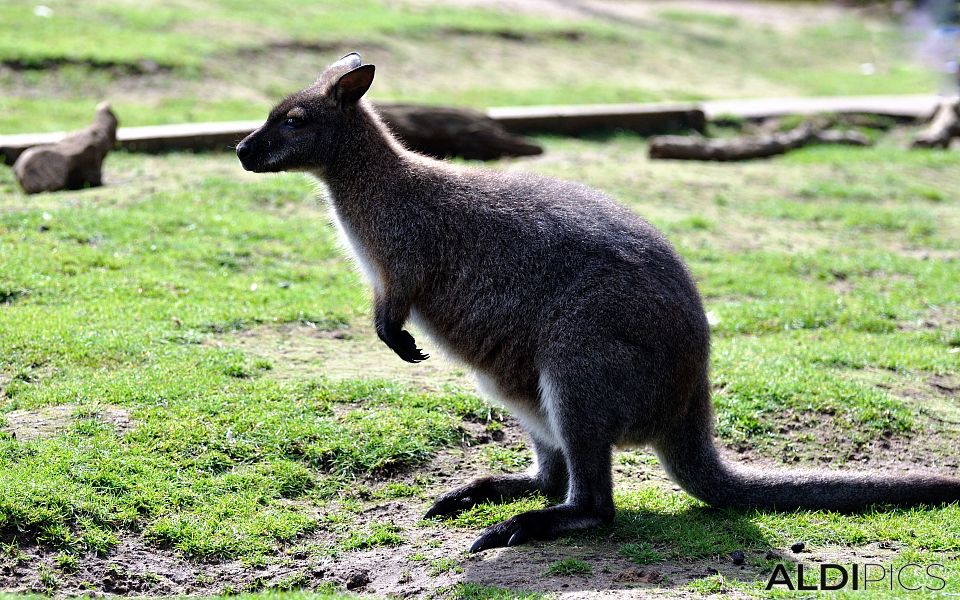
(125, 298)
(163, 62)
(689, 529)
(109, 32)
(475, 591)
(500, 458)
(641, 553)
(488, 513)
(377, 536)
(212, 475)
(440, 566)
(569, 567)
(109, 306)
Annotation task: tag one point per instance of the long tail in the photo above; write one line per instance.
(692, 461)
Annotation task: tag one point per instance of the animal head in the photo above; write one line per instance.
(306, 130)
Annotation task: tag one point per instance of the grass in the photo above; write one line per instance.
(220, 489)
(690, 530)
(641, 553)
(443, 565)
(833, 313)
(569, 567)
(150, 61)
(475, 591)
(499, 458)
(378, 535)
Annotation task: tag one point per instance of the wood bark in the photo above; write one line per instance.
(746, 148)
(72, 163)
(441, 132)
(944, 126)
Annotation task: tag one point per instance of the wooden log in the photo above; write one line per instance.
(645, 119)
(72, 163)
(441, 132)
(746, 148)
(434, 130)
(899, 107)
(944, 126)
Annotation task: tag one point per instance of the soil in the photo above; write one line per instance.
(299, 350)
(26, 425)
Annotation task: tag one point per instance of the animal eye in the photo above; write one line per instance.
(294, 123)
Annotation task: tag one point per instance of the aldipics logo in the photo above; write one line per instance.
(860, 577)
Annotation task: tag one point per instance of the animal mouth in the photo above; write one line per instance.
(258, 166)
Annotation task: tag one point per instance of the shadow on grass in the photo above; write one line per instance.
(686, 545)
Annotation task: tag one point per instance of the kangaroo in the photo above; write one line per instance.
(573, 312)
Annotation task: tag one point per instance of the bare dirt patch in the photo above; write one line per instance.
(810, 439)
(299, 351)
(929, 254)
(943, 318)
(433, 556)
(140, 67)
(48, 421)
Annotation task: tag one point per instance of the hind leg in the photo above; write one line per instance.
(584, 432)
(549, 476)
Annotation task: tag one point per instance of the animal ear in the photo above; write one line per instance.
(353, 85)
(346, 62)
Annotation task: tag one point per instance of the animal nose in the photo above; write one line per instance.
(243, 150)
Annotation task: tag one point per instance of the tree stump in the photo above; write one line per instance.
(441, 132)
(72, 163)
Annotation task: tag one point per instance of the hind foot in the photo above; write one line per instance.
(478, 491)
(545, 524)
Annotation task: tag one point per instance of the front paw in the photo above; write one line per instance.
(407, 348)
(403, 344)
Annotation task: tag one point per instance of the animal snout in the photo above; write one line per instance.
(244, 149)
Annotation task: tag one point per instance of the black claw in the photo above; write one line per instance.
(449, 506)
(416, 356)
(496, 536)
(406, 347)
(402, 343)
(544, 524)
(486, 541)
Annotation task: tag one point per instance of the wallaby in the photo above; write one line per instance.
(572, 311)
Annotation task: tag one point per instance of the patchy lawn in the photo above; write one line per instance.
(192, 399)
(168, 62)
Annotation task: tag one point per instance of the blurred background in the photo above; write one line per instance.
(167, 61)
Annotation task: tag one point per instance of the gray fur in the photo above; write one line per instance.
(573, 311)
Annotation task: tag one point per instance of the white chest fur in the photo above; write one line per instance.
(352, 244)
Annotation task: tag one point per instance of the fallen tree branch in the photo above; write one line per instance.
(745, 148)
(944, 126)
